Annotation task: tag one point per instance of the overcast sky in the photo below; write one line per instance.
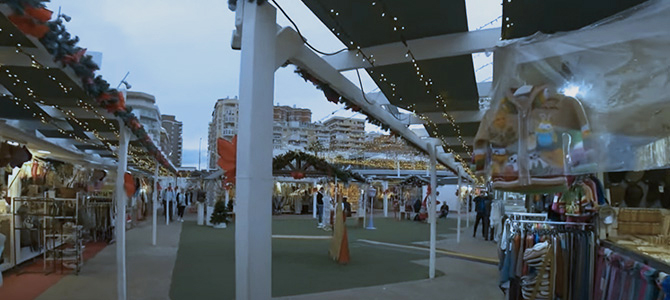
(180, 52)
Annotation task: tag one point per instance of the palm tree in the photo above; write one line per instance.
(316, 147)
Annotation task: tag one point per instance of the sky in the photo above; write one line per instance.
(179, 51)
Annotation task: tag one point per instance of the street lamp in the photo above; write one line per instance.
(199, 153)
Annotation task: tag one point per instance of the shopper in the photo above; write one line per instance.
(319, 208)
(168, 199)
(346, 207)
(444, 210)
(480, 208)
(181, 204)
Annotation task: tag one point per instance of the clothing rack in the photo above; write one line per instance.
(527, 216)
(553, 223)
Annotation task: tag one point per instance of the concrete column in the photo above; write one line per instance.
(431, 208)
(385, 186)
(253, 230)
(154, 208)
(120, 226)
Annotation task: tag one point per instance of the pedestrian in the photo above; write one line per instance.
(181, 204)
(444, 210)
(480, 208)
(346, 207)
(168, 199)
(319, 208)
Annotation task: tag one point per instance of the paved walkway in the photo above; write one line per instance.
(463, 280)
(149, 268)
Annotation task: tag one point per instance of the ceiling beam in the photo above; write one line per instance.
(318, 67)
(447, 45)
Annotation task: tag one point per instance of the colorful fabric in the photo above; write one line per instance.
(521, 142)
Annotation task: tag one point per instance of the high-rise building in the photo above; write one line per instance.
(223, 125)
(291, 127)
(173, 148)
(345, 133)
(145, 108)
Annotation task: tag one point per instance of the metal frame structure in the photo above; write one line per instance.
(265, 47)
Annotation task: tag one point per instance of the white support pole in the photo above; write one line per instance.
(154, 197)
(253, 230)
(385, 185)
(460, 199)
(467, 211)
(431, 208)
(120, 198)
(314, 201)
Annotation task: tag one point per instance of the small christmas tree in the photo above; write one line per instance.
(220, 214)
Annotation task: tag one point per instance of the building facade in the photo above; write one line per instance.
(346, 134)
(145, 108)
(174, 130)
(223, 125)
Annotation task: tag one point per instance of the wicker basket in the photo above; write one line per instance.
(66, 193)
(641, 228)
(640, 215)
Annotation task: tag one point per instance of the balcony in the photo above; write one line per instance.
(228, 132)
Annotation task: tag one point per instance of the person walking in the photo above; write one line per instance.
(480, 208)
(319, 207)
(181, 204)
(168, 199)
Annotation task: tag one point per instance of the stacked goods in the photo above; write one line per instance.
(640, 221)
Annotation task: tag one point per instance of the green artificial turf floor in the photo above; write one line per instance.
(205, 266)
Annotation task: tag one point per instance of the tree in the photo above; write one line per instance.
(220, 214)
(316, 147)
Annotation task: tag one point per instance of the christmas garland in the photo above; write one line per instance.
(414, 181)
(32, 18)
(281, 161)
(335, 97)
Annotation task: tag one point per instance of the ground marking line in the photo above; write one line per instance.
(441, 251)
(301, 237)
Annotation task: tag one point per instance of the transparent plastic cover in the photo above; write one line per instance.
(585, 101)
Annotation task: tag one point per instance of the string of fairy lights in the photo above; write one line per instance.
(136, 155)
(425, 80)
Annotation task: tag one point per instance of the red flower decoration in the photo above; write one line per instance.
(73, 58)
(28, 26)
(297, 175)
(129, 184)
(227, 151)
(40, 14)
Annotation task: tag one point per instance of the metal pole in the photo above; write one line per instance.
(314, 202)
(154, 221)
(253, 230)
(460, 198)
(120, 230)
(467, 212)
(386, 199)
(431, 208)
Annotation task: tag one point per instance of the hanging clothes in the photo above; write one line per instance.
(546, 260)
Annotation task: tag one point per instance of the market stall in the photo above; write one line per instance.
(52, 99)
(567, 108)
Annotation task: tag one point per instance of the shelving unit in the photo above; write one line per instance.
(56, 222)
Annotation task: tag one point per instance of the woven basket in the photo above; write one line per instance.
(640, 215)
(641, 228)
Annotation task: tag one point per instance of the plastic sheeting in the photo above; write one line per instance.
(590, 100)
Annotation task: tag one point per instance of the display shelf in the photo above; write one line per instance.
(50, 223)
